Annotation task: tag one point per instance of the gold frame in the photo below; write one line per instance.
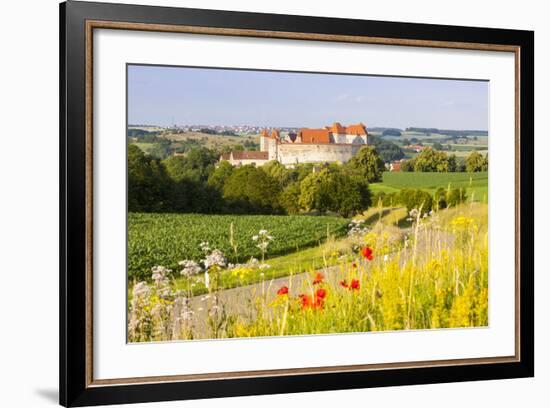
(99, 24)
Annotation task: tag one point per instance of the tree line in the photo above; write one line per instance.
(197, 183)
(430, 160)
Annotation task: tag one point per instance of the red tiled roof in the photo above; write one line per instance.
(396, 166)
(315, 135)
(358, 129)
(249, 155)
(338, 128)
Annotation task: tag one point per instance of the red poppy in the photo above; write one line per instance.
(319, 278)
(315, 302)
(305, 300)
(343, 283)
(367, 253)
(320, 293)
(354, 285)
(283, 291)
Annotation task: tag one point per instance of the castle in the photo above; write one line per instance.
(334, 143)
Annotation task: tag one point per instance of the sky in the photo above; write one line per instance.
(159, 95)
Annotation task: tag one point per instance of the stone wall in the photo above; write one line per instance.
(289, 154)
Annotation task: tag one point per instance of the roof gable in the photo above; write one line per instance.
(315, 135)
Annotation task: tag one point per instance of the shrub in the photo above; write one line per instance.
(440, 198)
(418, 199)
(456, 196)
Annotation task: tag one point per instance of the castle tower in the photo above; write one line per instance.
(264, 141)
(273, 142)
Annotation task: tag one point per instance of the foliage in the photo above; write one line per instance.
(160, 149)
(430, 160)
(220, 175)
(148, 182)
(475, 162)
(196, 165)
(367, 164)
(391, 132)
(388, 151)
(289, 198)
(455, 196)
(334, 189)
(251, 190)
(419, 199)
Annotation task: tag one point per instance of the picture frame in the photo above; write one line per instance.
(79, 21)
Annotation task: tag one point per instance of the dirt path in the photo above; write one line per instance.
(240, 300)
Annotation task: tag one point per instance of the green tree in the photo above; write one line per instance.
(388, 151)
(220, 175)
(475, 162)
(250, 189)
(407, 165)
(289, 198)
(452, 163)
(430, 160)
(368, 164)
(334, 189)
(148, 183)
(196, 165)
(279, 172)
(161, 149)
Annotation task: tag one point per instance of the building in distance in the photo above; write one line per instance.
(334, 143)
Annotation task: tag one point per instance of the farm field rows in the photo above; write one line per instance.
(166, 239)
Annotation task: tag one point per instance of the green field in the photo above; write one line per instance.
(475, 183)
(166, 239)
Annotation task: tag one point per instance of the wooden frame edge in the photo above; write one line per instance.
(91, 24)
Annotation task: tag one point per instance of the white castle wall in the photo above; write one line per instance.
(289, 154)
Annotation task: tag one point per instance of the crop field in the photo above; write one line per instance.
(166, 239)
(475, 183)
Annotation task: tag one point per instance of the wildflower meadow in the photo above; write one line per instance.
(388, 268)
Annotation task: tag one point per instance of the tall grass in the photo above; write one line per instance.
(432, 275)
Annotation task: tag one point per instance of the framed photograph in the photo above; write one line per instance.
(256, 203)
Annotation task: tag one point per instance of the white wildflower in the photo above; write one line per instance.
(216, 257)
(160, 275)
(141, 289)
(205, 247)
(190, 268)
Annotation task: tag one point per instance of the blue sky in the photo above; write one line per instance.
(166, 95)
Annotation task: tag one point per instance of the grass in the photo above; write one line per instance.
(434, 276)
(475, 183)
(310, 259)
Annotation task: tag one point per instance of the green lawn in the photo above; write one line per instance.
(475, 183)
